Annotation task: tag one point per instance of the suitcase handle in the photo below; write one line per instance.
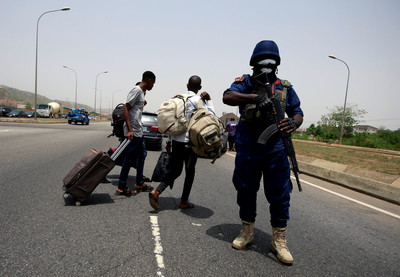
(120, 149)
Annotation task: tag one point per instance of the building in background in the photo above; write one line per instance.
(226, 117)
(365, 129)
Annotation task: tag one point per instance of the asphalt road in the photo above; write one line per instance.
(333, 231)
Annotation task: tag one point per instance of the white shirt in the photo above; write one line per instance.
(192, 103)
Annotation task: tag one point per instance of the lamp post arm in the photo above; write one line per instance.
(345, 101)
(37, 46)
(95, 91)
(76, 84)
(345, 97)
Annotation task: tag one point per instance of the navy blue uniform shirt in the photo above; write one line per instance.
(247, 134)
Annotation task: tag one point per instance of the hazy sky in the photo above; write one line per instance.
(213, 39)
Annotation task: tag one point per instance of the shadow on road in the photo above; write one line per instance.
(228, 232)
(93, 199)
(172, 203)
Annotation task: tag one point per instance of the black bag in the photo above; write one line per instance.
(118, 121)
(162, 168)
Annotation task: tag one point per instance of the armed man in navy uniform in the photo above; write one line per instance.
(253, 159)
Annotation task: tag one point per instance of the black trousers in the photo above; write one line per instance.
(231, 142)
(182, 154)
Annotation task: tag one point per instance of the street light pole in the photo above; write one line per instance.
(76, 85)
(112, 103)
(95, 91)
(100, 103)
(109, 108)
(345, 98)
(37, 44)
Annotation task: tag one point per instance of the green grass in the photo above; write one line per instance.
(383, 163)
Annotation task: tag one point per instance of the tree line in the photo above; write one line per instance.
(329, 127)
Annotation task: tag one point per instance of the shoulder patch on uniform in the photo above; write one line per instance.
(239, 79)
(286, 83)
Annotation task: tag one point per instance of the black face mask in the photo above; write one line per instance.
(257, 71)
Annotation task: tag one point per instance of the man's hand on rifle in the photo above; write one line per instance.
(288, 125)
(264, 104)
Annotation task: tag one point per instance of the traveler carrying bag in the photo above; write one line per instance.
(205, 133)
(172, 115)
(162, 168)
(86, 175)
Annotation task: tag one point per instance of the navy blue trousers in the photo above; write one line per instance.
(275, 169)
(135, 154)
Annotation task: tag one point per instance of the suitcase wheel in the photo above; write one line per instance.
(67, 198)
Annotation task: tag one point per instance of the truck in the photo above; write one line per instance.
(51, 109)
(55, 110)
(43, 110)
(78, 115)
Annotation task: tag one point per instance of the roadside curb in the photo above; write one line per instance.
(379, 185)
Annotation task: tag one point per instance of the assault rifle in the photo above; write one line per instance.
(273, 129)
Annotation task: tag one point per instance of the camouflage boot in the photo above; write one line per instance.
(279, 247)
(246, 236)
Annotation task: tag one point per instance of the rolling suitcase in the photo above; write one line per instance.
(87, 174)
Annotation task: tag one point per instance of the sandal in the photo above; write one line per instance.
(144, 187)
(126, 192)
(186, 205)
(134, 192)
(146, 179)
(153, 199)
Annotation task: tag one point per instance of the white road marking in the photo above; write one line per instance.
(351, 199)
(158, 250)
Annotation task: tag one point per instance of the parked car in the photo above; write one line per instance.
(4, 111)
(17, 113)
(152, 137)
(32, 114)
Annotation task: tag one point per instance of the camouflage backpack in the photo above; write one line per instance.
(205, 133)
